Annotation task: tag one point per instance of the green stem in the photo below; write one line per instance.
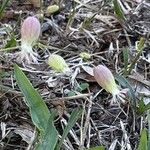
(9, 48)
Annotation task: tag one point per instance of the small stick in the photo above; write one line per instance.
(69, 98)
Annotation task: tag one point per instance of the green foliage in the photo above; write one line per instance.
(97, 148)
(11, 43)
(87, 22)
(143, 140)
(82, 87)
(85, 55)
(50, 137)
(71, 93)
(148, 113)
(73, 118)
(140, 45)
(3, 6)
(144, 143)
(41, 116)
(124, 82)
(118, 11)
(125, 59)
(139, 50)
(38, 109)
(142, 108)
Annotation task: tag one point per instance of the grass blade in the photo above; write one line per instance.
(118, 11)
(12, 42)
(142, 107)
(97, 148)
(38, 109)
(143, 140)
(125, 59)
(148, 129)
(140, 46)
(139, 50)
(72, 120)
(2, 7)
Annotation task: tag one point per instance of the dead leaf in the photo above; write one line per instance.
(36, 3)
(86, 77)
(88, 69)
(26, 134)
(139, 78)
(60, 106)
(3, 129)
(52, 82)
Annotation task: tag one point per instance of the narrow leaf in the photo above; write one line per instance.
(3, 6)
(97, 148)
(139, 49)
(11, 43)
(72, 120)
(118, 11)
(148, 129)
(125, 58)
(143, 140)
(141, 108)
(140, 45)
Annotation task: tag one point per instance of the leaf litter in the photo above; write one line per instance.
(78, 26)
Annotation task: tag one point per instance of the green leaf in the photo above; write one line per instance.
(139, 49)
(11, 43)
(123, 81)
(143, 140)
(148, 129)
(82, 87)
(72, 120)
(140, 45)
(87, 21)
(51, 136)
(118, 11)
(3, 6)
(126, 59)
(38, 109)
(142, 108)
(97, 148)
(147, 107)
(71, 93)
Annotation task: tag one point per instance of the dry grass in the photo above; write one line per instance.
(80, 26)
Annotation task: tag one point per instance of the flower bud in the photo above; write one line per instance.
(105, 79)
(52, 9)
(57, 63)
(85, 55)
(30, 31)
